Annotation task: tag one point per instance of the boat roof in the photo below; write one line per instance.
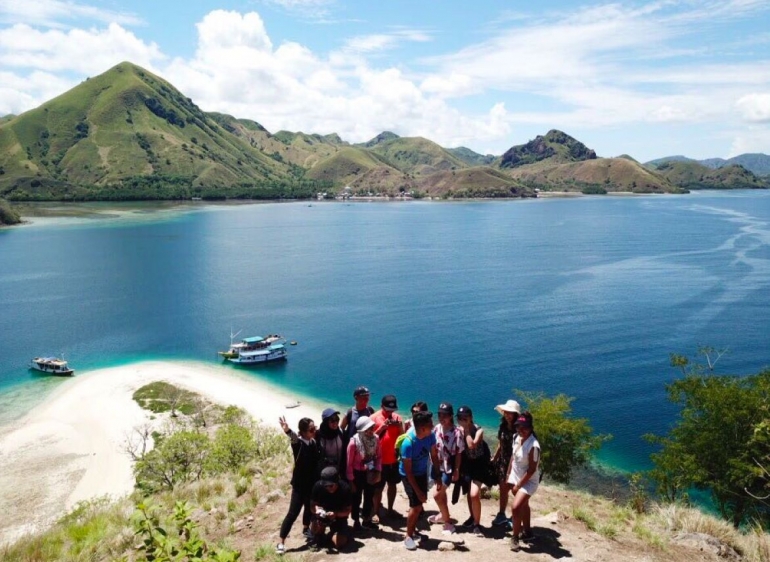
(255, 339)
(49, 359)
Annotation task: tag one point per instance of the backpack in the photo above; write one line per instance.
(399, 442)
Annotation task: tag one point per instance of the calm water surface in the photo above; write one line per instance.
(437, 301)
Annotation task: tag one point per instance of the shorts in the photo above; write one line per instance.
(390, 475)
(529, 488)
(422, 484)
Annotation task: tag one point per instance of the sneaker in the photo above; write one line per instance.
(468, 522)
(515, 546)
(308, 534)
(527, 536)
(280, 549)
(477, 531)
(449, 529)
(409, 543)
(369, 524)
(509, 524)
(500, 520)
(435, 519)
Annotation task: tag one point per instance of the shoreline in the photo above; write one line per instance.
(70, 447)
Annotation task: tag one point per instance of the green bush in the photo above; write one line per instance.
(7, 214)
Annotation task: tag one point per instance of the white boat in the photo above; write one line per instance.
(273, 352)
(51, 365)
(255, 343)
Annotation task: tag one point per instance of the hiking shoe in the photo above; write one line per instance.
(509, 524)
(435, 519)
(477, 531)
(527, 536)
(468, 522)
(449, 529)
(369, 524)
(409, 543)
(280, 549)
(515, 546)
(500, 520)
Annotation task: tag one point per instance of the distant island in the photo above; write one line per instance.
(127, 134)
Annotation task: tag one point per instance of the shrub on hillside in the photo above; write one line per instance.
(7, 214)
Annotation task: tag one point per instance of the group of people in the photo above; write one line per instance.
(343, 467)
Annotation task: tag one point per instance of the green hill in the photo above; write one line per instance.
(417, 156)
(472, 158)
(473, 182)
(128, 133)
(362, 171)
(555, 146)
(382, 137)
(594, 176)
(692, 175)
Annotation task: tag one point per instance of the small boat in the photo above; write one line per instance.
(273, 352)
(292, 405)
(248, 344)
(51, 366)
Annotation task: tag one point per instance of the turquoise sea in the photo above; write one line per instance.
(437, 301)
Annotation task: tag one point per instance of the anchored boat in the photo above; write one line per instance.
(273, 352)
(51, 366)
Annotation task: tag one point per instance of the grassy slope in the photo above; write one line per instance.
(612, 174)
(360, 169)
(691, 175)
(473, 182)
(102, 131)
(417, 156)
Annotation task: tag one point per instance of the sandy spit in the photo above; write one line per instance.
(72, 446)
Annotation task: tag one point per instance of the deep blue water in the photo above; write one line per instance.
(438, 301)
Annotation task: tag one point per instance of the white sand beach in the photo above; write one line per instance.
(72, 446)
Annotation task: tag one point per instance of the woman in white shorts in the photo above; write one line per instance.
(524, 477)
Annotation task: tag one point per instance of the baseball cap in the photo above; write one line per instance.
(328, 412)
(523, 421)
(329, 476)
(464, 411)
(389, 403)
(446, 408)
(361, 391)
(363, 423)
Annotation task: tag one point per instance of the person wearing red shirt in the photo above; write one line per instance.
(388, 425)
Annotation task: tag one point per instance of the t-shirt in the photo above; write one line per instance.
(352, 414)
(388, 439)
(449, 443)
(340, 499)
(418, 450)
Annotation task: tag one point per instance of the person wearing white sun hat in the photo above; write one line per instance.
(502, 457)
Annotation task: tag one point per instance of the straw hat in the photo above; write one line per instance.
(510, 406)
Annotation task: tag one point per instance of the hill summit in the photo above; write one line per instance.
(555, 145)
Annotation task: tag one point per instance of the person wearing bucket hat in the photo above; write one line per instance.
(331, 442)
(364, 470)
(502, 457)
(362, 408)
(388, 425)
(524, 478)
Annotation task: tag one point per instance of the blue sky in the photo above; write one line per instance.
(645, 78)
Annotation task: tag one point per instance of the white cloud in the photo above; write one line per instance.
(754, 139)
(384, 41)
(85, 52)
(755, 107)
(53, 13)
